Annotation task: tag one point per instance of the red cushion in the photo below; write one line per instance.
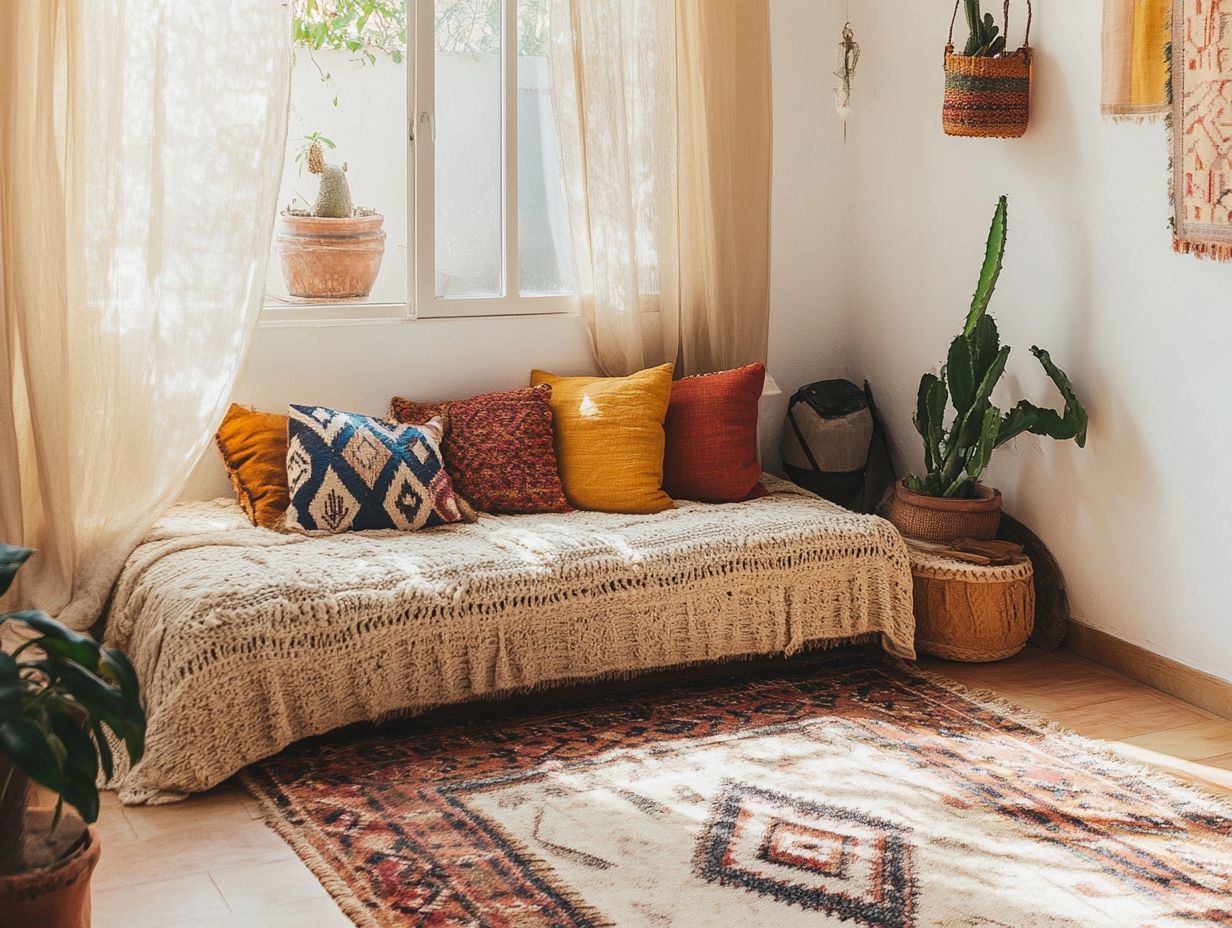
(499, 449)
(711, 427)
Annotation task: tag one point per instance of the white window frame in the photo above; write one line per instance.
(423, 156)
(422, 301)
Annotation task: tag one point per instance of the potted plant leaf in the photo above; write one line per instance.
(947, 501)
(334, 250)
(59, 692)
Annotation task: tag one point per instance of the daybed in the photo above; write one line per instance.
(246, 639)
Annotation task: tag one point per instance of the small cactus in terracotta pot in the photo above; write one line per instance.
(334, 250)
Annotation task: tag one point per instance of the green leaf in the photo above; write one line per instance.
(960, 374)
(11, 702)
(28, 746)
(991, 376)
(11, 559)
(929, 418)
(1075, 414)
(994, 257)
(985, 343)
(57, 638)
(104, 749)
(10, 673)
(80, 766)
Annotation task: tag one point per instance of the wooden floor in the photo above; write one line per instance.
(212, 862)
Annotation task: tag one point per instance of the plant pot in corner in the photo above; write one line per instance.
(932, 518)
(56, 895)
(327, 258)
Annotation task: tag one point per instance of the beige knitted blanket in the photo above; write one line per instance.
(246, 640)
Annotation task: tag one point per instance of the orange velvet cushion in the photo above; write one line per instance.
(609, 439)
(711, 426)
(253, 446)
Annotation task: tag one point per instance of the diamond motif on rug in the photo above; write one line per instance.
(837, 860)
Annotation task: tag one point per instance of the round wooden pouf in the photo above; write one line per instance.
(965, 612)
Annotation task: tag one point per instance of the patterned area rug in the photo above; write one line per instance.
(1200, 124)
(845, 789)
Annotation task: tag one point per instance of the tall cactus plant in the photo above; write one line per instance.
(984, 42)
(956, 455)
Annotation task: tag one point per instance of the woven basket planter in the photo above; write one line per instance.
(932, 518)
(964, 612)
(988, 98)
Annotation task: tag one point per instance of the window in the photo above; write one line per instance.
(443, 114)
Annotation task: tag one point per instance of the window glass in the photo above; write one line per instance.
(545, 260)
(469, 155)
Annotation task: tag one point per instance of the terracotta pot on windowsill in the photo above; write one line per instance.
(932, 518)
(332, 259)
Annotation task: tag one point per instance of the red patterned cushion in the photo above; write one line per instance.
(711, 427)
(499, 449)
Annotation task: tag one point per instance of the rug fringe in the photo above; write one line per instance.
(1216, 251)
(326, 875)
(1079, 744)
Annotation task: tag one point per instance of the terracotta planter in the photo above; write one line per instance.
(332, 259)
(51, 897)
(930, 518)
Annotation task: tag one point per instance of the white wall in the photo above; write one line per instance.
(358, 367)
(1139, 519)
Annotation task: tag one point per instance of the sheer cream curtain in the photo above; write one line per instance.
(141, 146)
(613, 84)
(663, 110)
(724, 139)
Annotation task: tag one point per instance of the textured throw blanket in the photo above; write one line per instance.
(246, 640)
(1135, 58)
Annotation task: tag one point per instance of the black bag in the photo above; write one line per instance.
(829, 440)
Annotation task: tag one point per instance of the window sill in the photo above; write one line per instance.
(279, 314)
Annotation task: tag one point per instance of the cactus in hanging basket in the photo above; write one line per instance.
(987, 87)
(946, 500)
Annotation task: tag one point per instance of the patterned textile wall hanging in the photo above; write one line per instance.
(1135, 51)
(1200, 128)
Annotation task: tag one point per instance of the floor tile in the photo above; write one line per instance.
(157, 903)
(199, 848)
(1124, 716)
(1189, 742)
(252, 888)
(218, 807)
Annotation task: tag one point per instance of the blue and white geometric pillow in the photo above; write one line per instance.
(350, 473)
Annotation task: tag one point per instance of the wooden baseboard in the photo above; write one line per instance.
(1194, 686)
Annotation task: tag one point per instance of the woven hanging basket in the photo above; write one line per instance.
(988, 98)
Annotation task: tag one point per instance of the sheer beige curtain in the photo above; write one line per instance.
(724, 138)
(613, 85)
(140, 155)
(663, 110)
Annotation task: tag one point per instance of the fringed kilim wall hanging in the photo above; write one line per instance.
(1200, 128)
(1136, 37)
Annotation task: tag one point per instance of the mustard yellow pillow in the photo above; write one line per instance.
(609, 439)
(253, 446)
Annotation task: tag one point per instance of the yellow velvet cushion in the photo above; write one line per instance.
(253, 446)
(609, 439)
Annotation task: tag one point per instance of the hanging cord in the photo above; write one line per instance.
(1026, 40)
